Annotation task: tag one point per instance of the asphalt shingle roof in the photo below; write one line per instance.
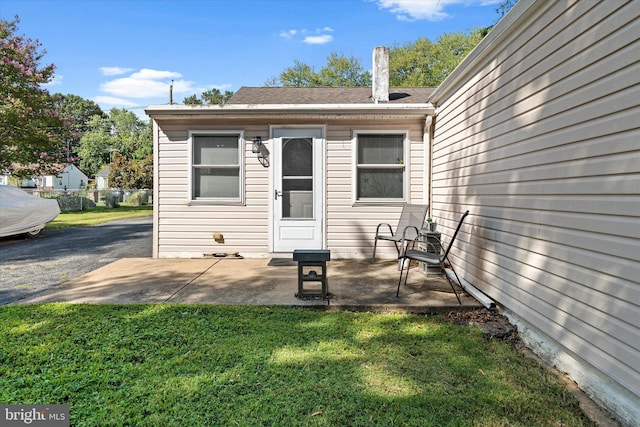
(326, 95)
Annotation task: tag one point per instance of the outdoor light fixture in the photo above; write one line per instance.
(256, 143)
(257, 147)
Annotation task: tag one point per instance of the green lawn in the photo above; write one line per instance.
(98, 215)
(179, 365)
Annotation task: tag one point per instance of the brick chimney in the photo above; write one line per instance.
(380, 80)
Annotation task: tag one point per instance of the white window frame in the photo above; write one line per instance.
(405, 166)
(241, 168)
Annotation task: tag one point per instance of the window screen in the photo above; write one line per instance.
(216, 167)
(380, 166)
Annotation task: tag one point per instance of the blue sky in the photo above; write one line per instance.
(125, 53)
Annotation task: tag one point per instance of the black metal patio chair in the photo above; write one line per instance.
(430, 258)
(408, 228)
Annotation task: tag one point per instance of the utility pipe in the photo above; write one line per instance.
(471, 290)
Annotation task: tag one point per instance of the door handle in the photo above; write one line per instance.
(278, 193)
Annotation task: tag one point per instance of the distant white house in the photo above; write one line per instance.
(102, 178)
(69, 178)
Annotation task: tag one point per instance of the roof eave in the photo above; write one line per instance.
(261, 110)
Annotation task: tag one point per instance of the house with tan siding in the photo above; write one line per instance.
(276, 169)
(537, 133)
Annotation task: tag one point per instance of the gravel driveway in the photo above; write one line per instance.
(28, 266)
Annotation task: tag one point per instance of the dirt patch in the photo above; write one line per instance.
(488, 321)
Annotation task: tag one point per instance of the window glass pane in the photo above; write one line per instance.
(380, 149)
(380, 183)
(297, 198)
(215, 149)
(297, 157)
(297, 204)
(218, 183)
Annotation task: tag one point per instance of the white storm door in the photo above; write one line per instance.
(298, 165)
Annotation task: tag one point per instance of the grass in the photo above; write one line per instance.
(178, 365)
(98, 215)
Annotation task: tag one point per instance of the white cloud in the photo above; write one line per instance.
(145, 86)
(111, 100)
(430, 10)
(325, 38)
(320, 36)
(134, 88)
(114, 71)
(147, 83)
(148, 74)
(288, 33)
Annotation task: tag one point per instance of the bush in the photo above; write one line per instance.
(139, 198)
(87, 203)
(73, 202)
(110, 199)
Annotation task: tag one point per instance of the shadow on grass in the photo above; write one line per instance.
(224, 365)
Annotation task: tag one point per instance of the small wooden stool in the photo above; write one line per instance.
(312, 258)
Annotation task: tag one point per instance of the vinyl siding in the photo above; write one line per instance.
(351, 227)
(537, 134)
(183, 230)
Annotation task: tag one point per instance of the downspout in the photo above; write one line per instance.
(426, 138)
(155, 249)
(472, 290)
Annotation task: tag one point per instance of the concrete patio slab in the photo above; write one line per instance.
(354, 285)
(126, 281)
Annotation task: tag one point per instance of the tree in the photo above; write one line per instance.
(421, 63)
(120, 131)
(343, 72)
(209, 97)
(96, 145)
(81, 110)
(425, 63)
(130, 174)
(143, 142)
(339, 71)
(33, 135)
(504, 7)
(192, 100)
(128, 134)
(300, 75)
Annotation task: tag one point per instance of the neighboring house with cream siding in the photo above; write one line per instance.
(537, 133)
